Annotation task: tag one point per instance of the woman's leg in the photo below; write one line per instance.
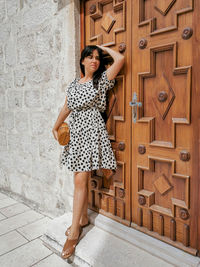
(84, 216)
(80, 193)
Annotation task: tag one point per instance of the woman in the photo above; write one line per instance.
(89, 147)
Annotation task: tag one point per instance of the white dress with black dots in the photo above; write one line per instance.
(89, 147)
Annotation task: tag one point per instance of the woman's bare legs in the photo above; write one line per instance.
(84, 215)
(80, 195)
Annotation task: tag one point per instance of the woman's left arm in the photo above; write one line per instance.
(119, 59)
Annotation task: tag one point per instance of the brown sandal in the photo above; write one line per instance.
(70, 245)
(68, 229)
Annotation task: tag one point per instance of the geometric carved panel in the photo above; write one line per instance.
(163, 186)
(162, 7)
(164, 107)
(107, 21)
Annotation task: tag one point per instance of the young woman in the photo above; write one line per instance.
(89, 147)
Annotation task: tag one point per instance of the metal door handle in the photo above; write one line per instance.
(134, 104)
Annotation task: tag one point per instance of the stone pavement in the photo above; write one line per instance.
(29, 238)
(21, 229)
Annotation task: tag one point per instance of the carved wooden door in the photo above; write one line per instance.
(104, 22)
(154, 124)
(164, 141)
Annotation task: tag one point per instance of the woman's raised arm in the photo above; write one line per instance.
(119, 60)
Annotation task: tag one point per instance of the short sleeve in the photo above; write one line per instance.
(108, 84)
(68, 94)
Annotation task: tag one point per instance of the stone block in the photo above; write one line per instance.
(44, 41)
(6, 81)
(1, 59)
(14, 209)
(24, 256)
(32, 98)
(48, 148)
(44, 171)
(18, 221)
(2, 196)
(4, 181)
(52, 261)
(34, 147)
(8, 118)
(2, 217)
(7, 202)
(17, 181)
(14, 99)
(19, 77)
(34, 75)
(26, 49)
(2, 11)
(12, 7)
(49, 97)
(22, 162)
(18, 143)
(4, 32)
(3, 142)
(11, 241)
(46, 69)
(2, 100)
(35, 16)
(40, 123)
(21, 122)
(35, 229)
(10, 53)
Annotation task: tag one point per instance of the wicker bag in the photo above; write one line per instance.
(63, 134)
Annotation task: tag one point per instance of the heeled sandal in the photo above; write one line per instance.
(70, 245)
(68, 229)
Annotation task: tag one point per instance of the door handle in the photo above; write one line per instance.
(134, 104)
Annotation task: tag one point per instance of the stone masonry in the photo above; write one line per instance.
(39, 56)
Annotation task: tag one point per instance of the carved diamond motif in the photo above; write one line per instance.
(108, 22)
(164, 107)
(163, 6)
(162, 184)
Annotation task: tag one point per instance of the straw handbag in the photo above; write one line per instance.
(63, 134)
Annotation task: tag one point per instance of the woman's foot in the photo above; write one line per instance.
(70, 244)
(84, 221)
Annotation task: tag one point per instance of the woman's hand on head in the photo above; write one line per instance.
(102, 47)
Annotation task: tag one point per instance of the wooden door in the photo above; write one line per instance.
(104, 22)
(155, 189)
(164, 138)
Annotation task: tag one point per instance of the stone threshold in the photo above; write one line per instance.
(106, 242)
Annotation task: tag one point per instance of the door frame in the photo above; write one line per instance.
(196, 63)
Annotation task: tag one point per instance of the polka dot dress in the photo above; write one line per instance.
(89, 147)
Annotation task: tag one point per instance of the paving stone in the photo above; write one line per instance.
(19, 220)
(11, 241)
(52, 261)
(2, 217)
(7, 202)
(110, 243)
(26, 255)
(35, 229)
(2, 196)
(14, 209)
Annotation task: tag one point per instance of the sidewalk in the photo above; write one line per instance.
(20, 237)
(27, 235)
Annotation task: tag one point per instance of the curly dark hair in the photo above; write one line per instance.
(87, 51)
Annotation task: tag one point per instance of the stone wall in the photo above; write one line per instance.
(39, 56)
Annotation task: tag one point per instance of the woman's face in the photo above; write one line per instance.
(91, 62)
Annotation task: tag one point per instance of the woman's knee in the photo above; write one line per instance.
(81, 179)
